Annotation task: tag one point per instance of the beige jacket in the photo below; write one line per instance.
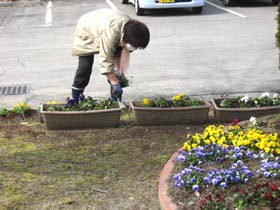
(100, 31)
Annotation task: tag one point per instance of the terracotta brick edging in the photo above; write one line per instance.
(164, 200)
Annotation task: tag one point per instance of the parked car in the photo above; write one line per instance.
(234, 2)
(142, 5)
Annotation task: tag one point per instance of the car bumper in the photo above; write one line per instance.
(151, 4)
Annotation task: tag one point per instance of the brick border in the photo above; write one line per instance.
(164, 200)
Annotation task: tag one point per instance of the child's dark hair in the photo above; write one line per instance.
(136, 33)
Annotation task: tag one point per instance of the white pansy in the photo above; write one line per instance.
(275, 95)
(266, 94)
(222, 104)
(253, 120)
(245, 99)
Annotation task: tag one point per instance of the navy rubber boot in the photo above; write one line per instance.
(76, 94)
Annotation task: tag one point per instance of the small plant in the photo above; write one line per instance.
(53, 106)
(83, 104)
(21, 108)
(226, 103)
(124, 81)
(162, 102)
(260, 194)
(212, 202)
(157, 102)
(253, 123)
(3, 110)
(179, 100)
(196, 102)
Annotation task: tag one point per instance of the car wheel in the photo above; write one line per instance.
(138, 10)
(197, 10)
(275, 2)
(228, 2)
(125, 1)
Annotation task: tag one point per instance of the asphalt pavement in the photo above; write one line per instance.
(37, 56)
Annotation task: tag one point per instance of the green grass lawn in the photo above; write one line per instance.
(115, 168)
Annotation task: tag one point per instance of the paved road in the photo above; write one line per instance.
(221, 51)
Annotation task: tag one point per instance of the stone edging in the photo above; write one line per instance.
(164, 200)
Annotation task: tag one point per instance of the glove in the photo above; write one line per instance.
(116, 92)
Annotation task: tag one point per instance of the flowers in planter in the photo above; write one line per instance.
(179, 100)
(229, 162)
(245, 102)
(83, 104)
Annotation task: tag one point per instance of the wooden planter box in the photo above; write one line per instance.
(226, 115)
(80, 119)
(170, 116)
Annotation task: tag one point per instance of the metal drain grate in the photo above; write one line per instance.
(14, 90)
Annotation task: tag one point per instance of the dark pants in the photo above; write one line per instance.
(83, 72)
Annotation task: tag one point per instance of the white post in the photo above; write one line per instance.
(48, 18)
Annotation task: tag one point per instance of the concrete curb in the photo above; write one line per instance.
(164, 200)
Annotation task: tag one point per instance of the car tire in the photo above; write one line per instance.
(197, 10)
(275, 2)
(228, 2)
(125, 1)
(138, 10)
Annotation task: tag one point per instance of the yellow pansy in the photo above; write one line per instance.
(146, 101)
(266, 149)
(178, 97)
(269, 143)
(187, 146)
(207, 141)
